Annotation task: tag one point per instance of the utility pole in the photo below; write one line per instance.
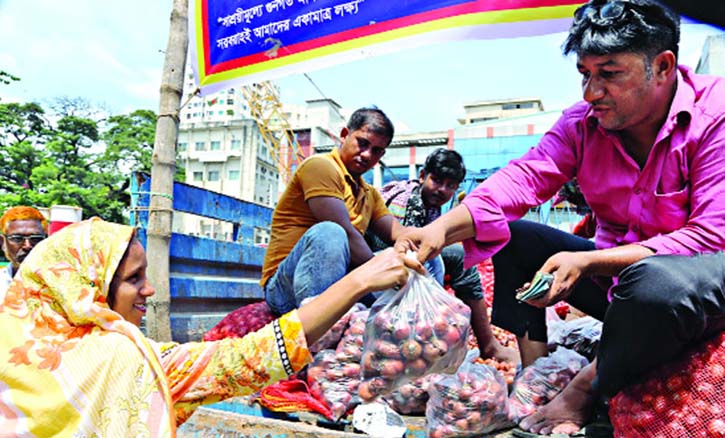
(163, 168)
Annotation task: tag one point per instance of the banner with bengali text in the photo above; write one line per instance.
(245, 41)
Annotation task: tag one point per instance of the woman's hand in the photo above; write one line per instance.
(385, 270)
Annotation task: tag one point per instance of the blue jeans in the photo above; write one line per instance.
(436, 268)
(317, 261)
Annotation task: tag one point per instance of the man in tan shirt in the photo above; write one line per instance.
(319, 222)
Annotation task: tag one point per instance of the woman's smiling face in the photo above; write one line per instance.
(130, 287)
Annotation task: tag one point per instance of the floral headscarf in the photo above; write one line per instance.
(70, 366)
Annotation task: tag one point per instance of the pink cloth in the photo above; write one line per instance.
(674, 205)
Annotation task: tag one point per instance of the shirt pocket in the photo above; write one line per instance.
(671, 210)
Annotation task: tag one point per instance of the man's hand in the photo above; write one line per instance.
(567, 268)
(427, 242)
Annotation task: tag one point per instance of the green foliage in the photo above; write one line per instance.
(6, 78)
(74, 160)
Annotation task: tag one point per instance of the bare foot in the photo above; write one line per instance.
(567, 412)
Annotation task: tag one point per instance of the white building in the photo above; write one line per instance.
(230, 158)
(712, 59)
(222, 149)
(223, 106)
(484, 110)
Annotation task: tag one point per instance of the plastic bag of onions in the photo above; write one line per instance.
(543, 380)
(470, 402)
(331, 339)
(334, 381)
(411, 332)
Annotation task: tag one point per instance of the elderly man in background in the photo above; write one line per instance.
(22, 228)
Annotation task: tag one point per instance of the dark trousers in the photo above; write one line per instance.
(465, 282)
(660, 306)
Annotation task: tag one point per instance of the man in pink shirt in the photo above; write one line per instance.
(647, 146)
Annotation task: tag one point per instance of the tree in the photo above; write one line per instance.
(130, 139)
(76, 160)
(23, 133)
(6, 78)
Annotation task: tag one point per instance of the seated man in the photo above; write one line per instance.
(416, 203)
(22, 228)
(318, 224)
(647, 146)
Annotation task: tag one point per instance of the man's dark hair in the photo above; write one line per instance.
(445, 163)
(605, 27)
(374, 118)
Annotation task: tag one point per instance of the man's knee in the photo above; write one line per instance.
(328, 228)
(327, 237)
(652, 282)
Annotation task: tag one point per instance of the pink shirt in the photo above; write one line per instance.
(674, 205)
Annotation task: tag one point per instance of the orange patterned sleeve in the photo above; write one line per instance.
(207, 372)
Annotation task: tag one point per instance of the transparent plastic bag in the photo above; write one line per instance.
(543, 380)
(332, 337)
(334, 382)
(473, 401)
(349, 348)
(411, 397)
(411, 332)
(581, 335)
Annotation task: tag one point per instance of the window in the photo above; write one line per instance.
(198, 176)
(206, 230)
(199, 146)
(212, 175)
(264, 170)
(233, 174)
(236, 145)
(509, 106)
(230, 101)
(215, 145)
(182, 147)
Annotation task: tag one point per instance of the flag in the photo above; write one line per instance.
(243, 41)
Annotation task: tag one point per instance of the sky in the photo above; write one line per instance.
(112, 52)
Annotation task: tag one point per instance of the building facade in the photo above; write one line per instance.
(712, 59)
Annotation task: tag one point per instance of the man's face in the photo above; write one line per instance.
(20, 237)
(436, 191)
(361, 149)
(622, 93)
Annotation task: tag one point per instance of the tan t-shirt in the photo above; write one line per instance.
(318, 175)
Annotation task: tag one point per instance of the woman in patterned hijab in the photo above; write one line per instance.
(73, 361)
